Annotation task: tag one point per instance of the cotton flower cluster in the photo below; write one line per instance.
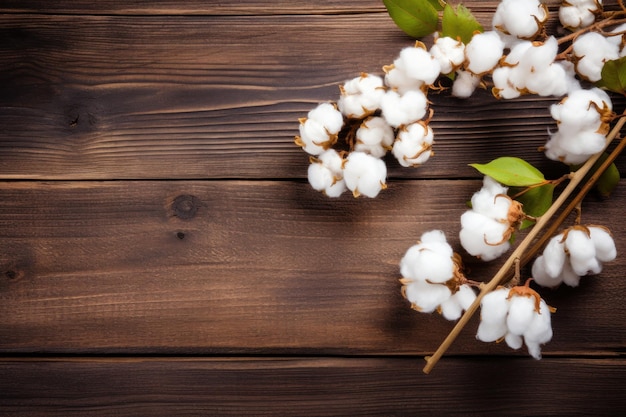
(518, 316)
(530, 68)
(482, 54)
(487, 227)
(582, 119)
(375, 115)
(432, 278)
(577, 14)
(578, 251)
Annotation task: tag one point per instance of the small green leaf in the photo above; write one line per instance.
(511, 171)
(438, 4)
(417, 18)
(614, 76)
(608, 181)
(459, 23)
(536, 201)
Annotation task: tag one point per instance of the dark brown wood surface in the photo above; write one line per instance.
(161, 252)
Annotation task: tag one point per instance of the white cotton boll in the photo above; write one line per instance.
(555, 256)
(603, 243)
(426, 297)
(521, 313)
(593, 50)
(374, 137)
(514, 341)
(465, 84)
(314, 137)
(460, 301)
(361, 96)
(364, 174)
(322, 179)
(449, 52)
(494, 309)
(332, 160)
(483, 52)
(491, 199)
(581, 251)
(413, 144)
(576, 14)
(585, 143)
(435, 236)
(503, 85)
(555, 80)
(397, 79)
(540, 330)
(328, 116)
(520, 18)
(568, 276)
(403, 109)
(541, 275)
(418, 64)
(575, 112)
(453, 307)
(482, 236)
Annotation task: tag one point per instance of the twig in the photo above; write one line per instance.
(517, 254)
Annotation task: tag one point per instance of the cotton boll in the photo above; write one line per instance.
(397, 79)
(568, 276)
(426, 297)
(482, 236)
(483, 52)
(328, 116)
(325, 174)
(521, 18)
(491, 200)
(541, 275)
(413, 144)
(452, 308)
(603, 243)
(322, 179)
(494, 309)
(593, 50)
(361, 96)
(540, 330)
(364, 174)
(577, 14)
(504, 87)
(449, 52)
(555, 255)
(521, 313)
(581, 251)
(404, 109)
(418, 64)
(464, 84)
(374, 137)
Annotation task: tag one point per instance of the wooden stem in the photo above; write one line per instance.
(516, 256)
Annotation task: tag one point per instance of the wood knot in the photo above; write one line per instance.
(185, 206)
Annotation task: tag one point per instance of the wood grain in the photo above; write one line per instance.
(311, 387)
(241, 266)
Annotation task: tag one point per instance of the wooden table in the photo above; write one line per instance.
(162, 254)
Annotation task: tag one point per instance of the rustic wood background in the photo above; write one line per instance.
(161, 253)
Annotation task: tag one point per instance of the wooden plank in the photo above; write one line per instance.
(193, 7)
(250, 267)
(311, 387)
(113, 97)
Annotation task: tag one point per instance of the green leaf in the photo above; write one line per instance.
(511, 171)
(614, 76)
(608, 181)
(459, 23)
(417, 18)
(438, 4)
(536, 201)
